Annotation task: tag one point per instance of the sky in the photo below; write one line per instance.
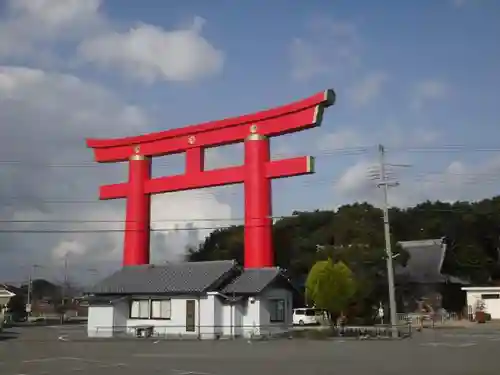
(420, 77)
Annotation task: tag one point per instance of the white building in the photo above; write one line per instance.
(5, 295)
(489, 296)
(205, 300)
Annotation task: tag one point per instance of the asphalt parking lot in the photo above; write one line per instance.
(51, 350)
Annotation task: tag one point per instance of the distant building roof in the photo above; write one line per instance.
(253, 281)
(173, 278)
(425, 262)
(12, 289)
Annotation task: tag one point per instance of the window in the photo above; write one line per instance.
(160, 309)
(310, 312)
(277, 310)
(139, 309)
(490, 296)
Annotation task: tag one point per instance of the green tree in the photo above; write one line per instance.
(330, 286)
(354, 234)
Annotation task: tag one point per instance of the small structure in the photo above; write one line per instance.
(203, 300)
(488, 297)
(6, 294)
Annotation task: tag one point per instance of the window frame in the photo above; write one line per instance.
(487, 296)
(131, 303)
(169, 300)
(274, 308)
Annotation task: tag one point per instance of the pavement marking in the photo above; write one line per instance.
(50, 359)
(450, 345)
(100, 364)
(185, 372)
(172, 355)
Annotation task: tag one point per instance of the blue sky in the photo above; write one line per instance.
(417, 76)
(409, 43)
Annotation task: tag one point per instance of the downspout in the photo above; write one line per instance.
(231, 314)
(199, 316)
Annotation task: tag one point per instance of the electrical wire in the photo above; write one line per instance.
(434, 177)
(358, 150)
(324, 153)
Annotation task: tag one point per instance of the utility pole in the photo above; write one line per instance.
(30, 288)
(385, 184)
(28, 302)
(65, 282)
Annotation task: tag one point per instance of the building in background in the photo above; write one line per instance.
(203, 300)
(422, 284)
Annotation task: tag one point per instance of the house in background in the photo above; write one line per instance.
(6, 293)
(488, 296)
(204, 300)
(422, 282)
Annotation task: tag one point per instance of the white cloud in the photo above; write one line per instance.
(367, 89)
(31, 31)
(340, 139)
(427, 91)
(30, 25)
(457, 181)
(355, 180)
(390, 134)
(45, 119)
(150, 53)
(329, 47)
(56, 14)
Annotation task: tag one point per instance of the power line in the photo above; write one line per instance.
(434, 177)
(238, 221)
(173, 229)
(133, 221)
(92, 164)
(356, 150)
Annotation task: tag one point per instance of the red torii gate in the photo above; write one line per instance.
(256, 173)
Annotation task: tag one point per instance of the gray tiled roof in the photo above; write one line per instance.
(174, 278)
(425, 262)
(253, 280)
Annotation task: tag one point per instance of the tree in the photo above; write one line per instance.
(354, 234)
(330, 286)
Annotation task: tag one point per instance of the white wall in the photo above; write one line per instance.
(100, 321)
(213, 317)
(120, 315)
(176, 325)
(492, 305)
(208, 317)
(240, 318)
(251, 317)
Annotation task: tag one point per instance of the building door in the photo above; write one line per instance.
(190, 315)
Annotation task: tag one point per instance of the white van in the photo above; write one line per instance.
(305, 316)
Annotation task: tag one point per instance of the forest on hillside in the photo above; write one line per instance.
(355, 232)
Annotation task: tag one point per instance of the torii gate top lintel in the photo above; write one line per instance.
(300, 115)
